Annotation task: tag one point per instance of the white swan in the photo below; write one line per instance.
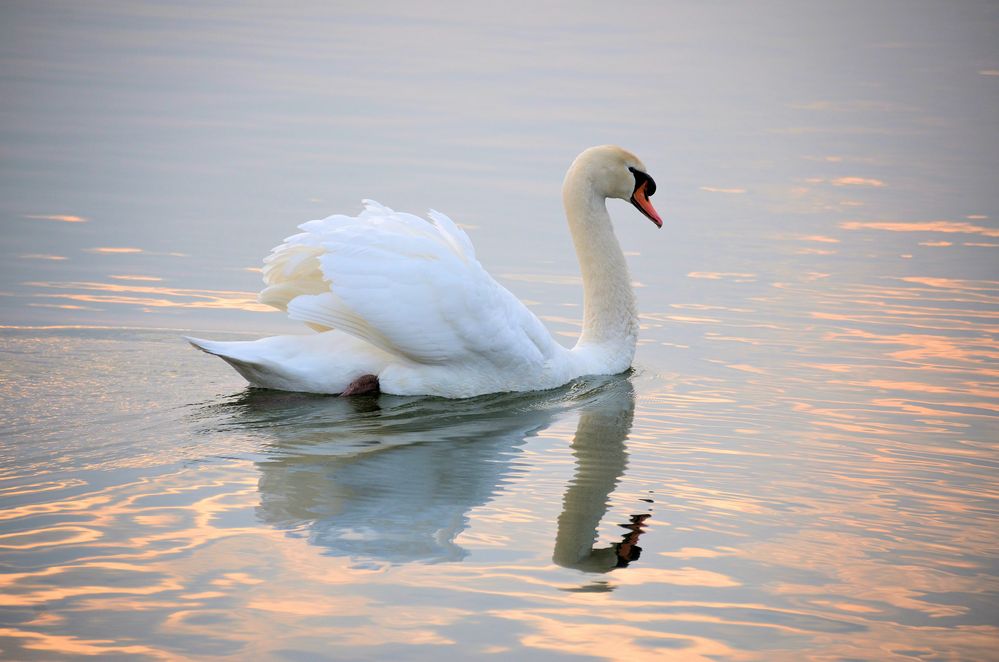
(403, 306)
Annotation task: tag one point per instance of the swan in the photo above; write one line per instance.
(403, 307)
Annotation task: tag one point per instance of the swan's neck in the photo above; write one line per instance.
(609, 317)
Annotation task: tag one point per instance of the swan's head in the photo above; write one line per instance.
(613, 172)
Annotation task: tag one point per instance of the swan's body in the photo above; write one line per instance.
(404, 300)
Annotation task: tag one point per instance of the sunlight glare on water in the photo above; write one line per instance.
(800, 466)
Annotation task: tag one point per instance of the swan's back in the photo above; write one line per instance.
(293, 268)
(409, 286)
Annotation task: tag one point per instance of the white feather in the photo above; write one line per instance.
(409, 286)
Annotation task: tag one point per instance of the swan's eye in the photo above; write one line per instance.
(641, 177)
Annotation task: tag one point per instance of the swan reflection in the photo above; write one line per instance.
(601, 458)
(388, 479)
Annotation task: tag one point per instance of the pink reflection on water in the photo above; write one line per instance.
(62, 218)
(152, 296)
(921, 226)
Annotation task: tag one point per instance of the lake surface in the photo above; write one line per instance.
(802, 464)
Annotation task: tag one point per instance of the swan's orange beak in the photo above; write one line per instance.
(640, 198)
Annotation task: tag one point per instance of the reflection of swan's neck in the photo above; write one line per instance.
(599, 447)
(609, 316)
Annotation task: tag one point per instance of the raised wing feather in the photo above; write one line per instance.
(409, 286)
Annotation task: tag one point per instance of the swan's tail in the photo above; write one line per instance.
(209, 346)
(318, 363)
(239, 351)
(240, 355)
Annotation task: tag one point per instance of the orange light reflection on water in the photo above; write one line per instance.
(947, 227)
(152, 296)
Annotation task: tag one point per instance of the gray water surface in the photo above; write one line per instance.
(802, 464)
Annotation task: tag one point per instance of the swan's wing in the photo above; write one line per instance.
(409, 286)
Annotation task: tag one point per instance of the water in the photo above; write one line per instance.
(801, 466)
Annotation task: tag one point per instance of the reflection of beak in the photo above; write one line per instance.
(641, 201)
(628, 550)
